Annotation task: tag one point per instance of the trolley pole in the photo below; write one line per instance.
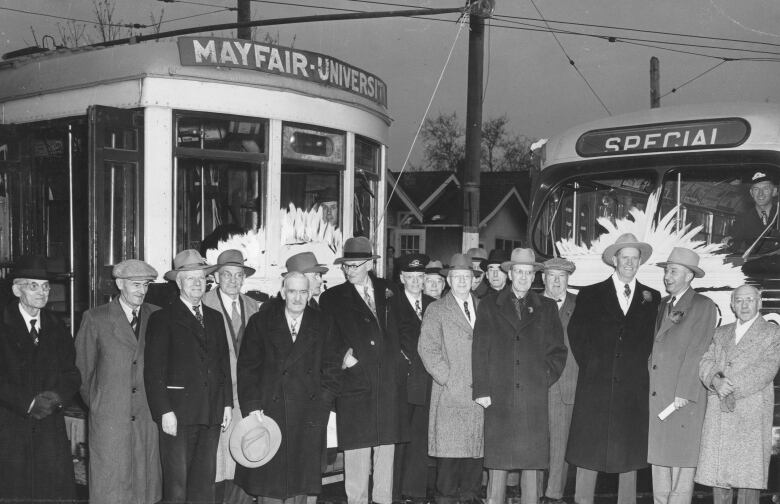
(244, 15)
(655, 83)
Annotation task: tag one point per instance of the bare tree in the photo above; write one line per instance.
(443, 139)
(156, 22)
(107, 27)
(516, 154)
(72, 34)
(493, 134)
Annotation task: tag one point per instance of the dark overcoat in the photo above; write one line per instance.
(295, 384)
(35, 458)
(418, 380)
(609, 423)
(371, 408)
(514, 362)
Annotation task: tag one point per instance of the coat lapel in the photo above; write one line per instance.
(303, 339)
(609, 293)
(19, 335)
(457, 314)
(121, 326)
(506, 307)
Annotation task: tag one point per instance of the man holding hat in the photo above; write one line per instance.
(611, 336)
(434, 282)
(236, 309)
(371, 410)
(124, 456)
(37, 376)
(188, 383)
(518, 353)
(683, 332)
(750, 224)
(306, 263)
(561, 394)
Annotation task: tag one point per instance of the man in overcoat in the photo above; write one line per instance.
(611, 336)
(410, 473)
(124, 449)
(290, 370)
(455, 426)
(738, 370)
(683, 332)
(561, 394)
(306, 263)
(188, 384)
(37, 376)
(371, 409)
(518, 353)
(236, 309)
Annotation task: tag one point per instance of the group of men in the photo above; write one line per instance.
(487, 375)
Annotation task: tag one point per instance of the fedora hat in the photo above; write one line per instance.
(433, 268)
(497, 256)
(355, 249)
(684, 257)
(305, 262)
(188, 260)
(624, 241)
(254, 442)
(478, 254)
(522, 256)
(233, 257)
(33, 267)
(460, 262)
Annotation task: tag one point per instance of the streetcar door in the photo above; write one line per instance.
(115, 189)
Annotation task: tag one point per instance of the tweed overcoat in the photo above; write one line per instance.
(226, 466)
(124, 450)
(371, 408)
(736, 446)
(514, 362)
(674, 372)
(455, 425)
(563, 390)
(609, 423)
(35, 458)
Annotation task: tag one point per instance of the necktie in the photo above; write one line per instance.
(466, 309)
(34, 332)
(671, 304)
(519, 307)
(198, 315)
(235, 319)
(418, 308)
(369, 299)
(763, 217)
(627, 291)
(294, 329)
(134, 323)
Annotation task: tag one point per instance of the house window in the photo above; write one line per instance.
(507, 244)
(411, 242)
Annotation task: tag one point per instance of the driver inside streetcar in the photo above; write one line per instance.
(749, 224)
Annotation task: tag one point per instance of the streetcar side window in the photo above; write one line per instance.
(367, 170)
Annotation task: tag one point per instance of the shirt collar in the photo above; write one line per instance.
(191, 305)
(412, 299)
(227, 301)
(679, 296)
(27, 317)
(620, 285)
(747, 324)
(127, 308)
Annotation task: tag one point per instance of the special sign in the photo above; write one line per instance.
(664, 137)
(270, 58)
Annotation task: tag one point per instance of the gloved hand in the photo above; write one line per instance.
(45, 404)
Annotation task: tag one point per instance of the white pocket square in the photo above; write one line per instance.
(174, 387)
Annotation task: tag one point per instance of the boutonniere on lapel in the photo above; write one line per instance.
(647, 297)
(530, 309)
(676, 316)
(388, 293)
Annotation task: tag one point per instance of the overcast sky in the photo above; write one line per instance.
(528, 76)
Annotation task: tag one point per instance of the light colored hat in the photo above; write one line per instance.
(522, 256)
(459, 262)
(625, 241)
(233, 257)
(188, 260)
(304, 262)
(684, 257)
(133, 269)
(253, 442)
(356, 249)
(433, 268)
(559, 263)
(478, 255)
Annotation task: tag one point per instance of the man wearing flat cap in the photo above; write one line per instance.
(434, 282)
(124, 456)
(371, 409)
(518, 353)
(188, 383)
(611, 337)
(37, 376)
(236, 309)
(561, 394)
(762, 212)
(683, 332)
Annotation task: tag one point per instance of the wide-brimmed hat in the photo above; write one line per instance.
(433, 268)
(559, 263)
(459, 262)
(355, 249)
(33, 267)
(233, 257)
(411, 263)
(497, 256)
(254, 442)
(522, 256)
(134, 269)
(304, 262)
(625, 241)
(188, 260)
(478, 254)
(684, 257)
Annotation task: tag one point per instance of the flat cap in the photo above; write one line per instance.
(133, 269)
(559, 263)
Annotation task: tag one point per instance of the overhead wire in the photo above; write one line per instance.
(702, 74)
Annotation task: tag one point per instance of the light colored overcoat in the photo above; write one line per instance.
(124, 458)
(226, 466)
(455, 425)
(736, 445)
(674, 372)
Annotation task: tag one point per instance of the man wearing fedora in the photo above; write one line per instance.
(495, 277)
(124, 450)
(188, 383)
(371, 409)
(611, 337)
(236, 309)
(455, 425)
(434, 281)
(289, 369)
(37, 376)
(749, 224)
(478, 257)
(683, 332)
(518, 353)
(306, 263)
(407, 309)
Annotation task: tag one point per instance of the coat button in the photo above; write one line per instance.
(655, 367)
(135, 362)
(517, 385)
(617, 355)
(372, 342)
(312, 397)
(132, 418)
(653, 393)
(284, 372)
(135, 390)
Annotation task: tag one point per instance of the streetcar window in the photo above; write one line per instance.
(367, 166)
(228, 133)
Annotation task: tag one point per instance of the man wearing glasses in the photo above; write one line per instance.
(37, 376)
(751, 223)
(370, 412)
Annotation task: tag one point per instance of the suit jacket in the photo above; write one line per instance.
(187, 367)
(563, 390)
(418, 381)
(609, 422)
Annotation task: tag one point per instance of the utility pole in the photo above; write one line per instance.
(244, 12)
(471, 184)
(655, 83)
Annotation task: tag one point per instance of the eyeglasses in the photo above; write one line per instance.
(35, 286)
(353, 267)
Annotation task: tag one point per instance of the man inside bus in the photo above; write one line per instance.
(749, 225)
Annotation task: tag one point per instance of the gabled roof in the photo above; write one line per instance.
(497, 188)
(403, 196)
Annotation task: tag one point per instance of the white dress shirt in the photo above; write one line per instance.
(228, 301)
(472, 310)
(27, 318)
(742, 327)
(620, 286)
